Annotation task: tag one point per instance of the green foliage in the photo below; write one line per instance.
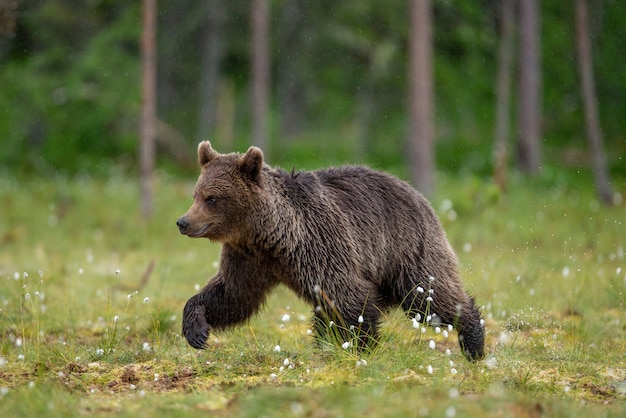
(74, 90)
(546, 262)
(70, 81)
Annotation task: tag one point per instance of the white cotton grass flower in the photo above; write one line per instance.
(3, 361)
(286, 318)
(286, 362)
(431, 344)
(450, 412)
(117, 271)
(360, 320)
(116, 318)
(273, 376)
(361, 362)
(99, 352)
(453, 371)
(146, 300)
(429, 369)
(448, 352)
(415, 323)
(491, 362)
(420, 289)
(444, 333)
(346, 345)
(277, 348)
(146, 347)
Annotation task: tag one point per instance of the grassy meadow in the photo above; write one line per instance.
(91, 297)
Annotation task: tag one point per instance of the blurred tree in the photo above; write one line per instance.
(588, 90)
(148, 110)
(529, 117)
(292, 90)
(503, 89)
(421, 129)
(211, 59)
(260, 75)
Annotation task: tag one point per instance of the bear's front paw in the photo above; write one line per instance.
(195, 327)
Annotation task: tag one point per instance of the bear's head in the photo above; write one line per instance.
(227, 191)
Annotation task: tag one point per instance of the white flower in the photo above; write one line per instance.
(286, 318)
(346, 345)
(448, 352)
(360, 320)
(429, 369)
(420, 289)
(277, 348)
(453, 371)
(444, 333)
(286, 362)
(450, 412)
(99, 352)
(415, 323)
(273, 376)
(116, 318)
(431, 344)
(146, 347)
(117, 271)
(361, 362)
(146, 300)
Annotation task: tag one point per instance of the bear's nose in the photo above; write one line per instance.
(182, 225)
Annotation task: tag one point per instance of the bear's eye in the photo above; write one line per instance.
(210, 200)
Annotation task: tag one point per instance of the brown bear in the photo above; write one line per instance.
(351, 241)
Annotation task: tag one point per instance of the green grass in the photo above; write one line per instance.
(88, 327)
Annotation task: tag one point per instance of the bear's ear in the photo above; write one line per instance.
(205, 153)
(251, 163)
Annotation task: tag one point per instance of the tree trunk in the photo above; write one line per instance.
(503, 92)
(529, 151)
(594, 134)
(211, 59)
(291, 88)
(148, 110)
(421, 129)
(260, 72)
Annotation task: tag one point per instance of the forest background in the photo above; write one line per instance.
(70, 98)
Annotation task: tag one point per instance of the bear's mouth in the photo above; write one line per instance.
(200, 232)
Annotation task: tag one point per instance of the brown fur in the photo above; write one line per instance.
(349, 240)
